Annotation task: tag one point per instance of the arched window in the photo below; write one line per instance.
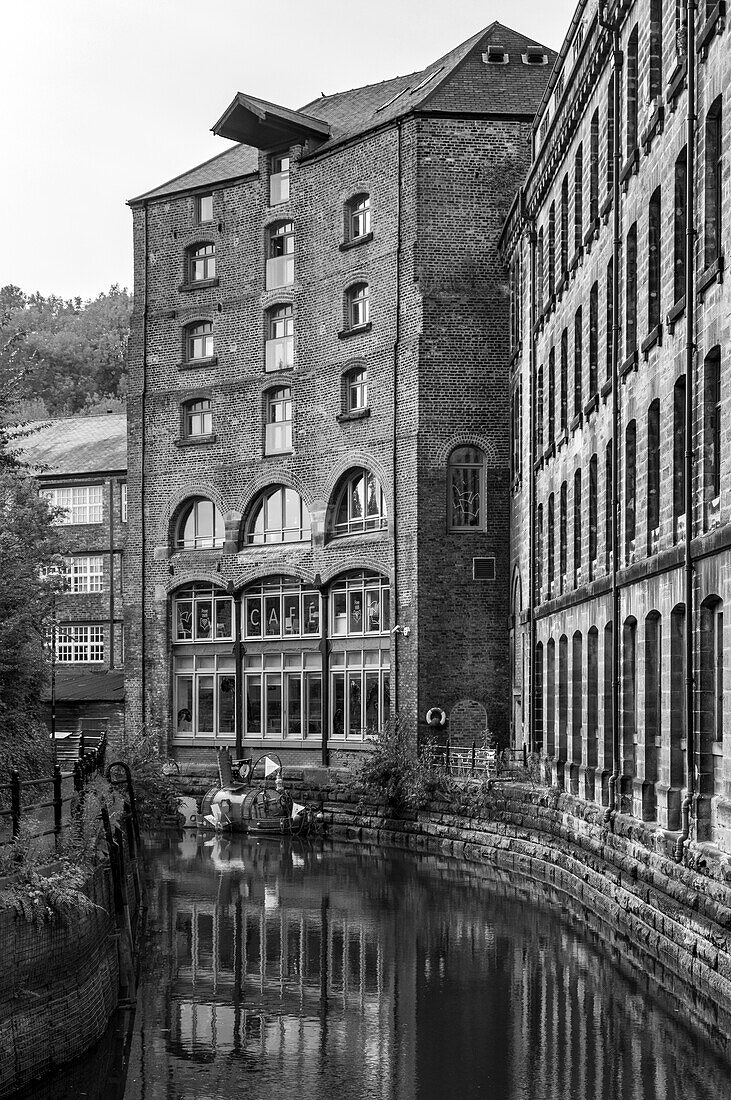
(200, 526)
(355, 390)
(280, 255)
(279, 515)
(199, 342)
(466, 489)
(197, 418)
(279, 351)
(357, 306)
(278, 439)
(358, 218)
(201, 265)
(359, 504)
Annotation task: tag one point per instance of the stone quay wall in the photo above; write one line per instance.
(62, 979)
(619, 878)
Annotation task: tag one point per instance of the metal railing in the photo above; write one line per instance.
(60, 810)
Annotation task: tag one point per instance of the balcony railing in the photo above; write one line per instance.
(280, 272)
(278, 437)
(279, 353)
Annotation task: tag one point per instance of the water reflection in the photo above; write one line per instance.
(329, 971)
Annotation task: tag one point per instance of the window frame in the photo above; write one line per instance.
(281, 314)
(194, 332)
(278, 399)
(343, 497)
(191, 507)
(200, 200)
(262, 503)
(202, 253)
(79, 644)
(357, 300)
(190, 410)
(279, 178)
(357, 209)
(81, 509)
(478, 466)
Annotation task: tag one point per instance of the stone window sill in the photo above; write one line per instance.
(629, 364)
(712, 274)
(606, 208)
(591, 405)
(713, 25)
(576, 422)
(199, 284)
(346, 333)
(356, 242)
(675, 314)
(631, 165)
(194, 440)
(194, 364)
(591, 233)
(676, 83)
(654, 128)
(354, 414)
(563, 438)
(576, 258)
(606, 389)
(653, 337)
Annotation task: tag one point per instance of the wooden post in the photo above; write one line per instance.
(15, 801)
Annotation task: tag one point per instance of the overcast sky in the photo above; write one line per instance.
(105, 99)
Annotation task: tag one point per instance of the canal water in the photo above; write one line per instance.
(327, 971)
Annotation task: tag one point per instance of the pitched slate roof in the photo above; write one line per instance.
(76, 685)
(458, 83)
(77, 445)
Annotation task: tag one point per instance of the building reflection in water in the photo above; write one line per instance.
(328, 971)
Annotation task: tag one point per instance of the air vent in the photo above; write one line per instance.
(496, 55)
(483, 569)
(535, 55)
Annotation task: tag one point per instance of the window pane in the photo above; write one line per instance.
(373, 610)
(339, 613)
(292, 614)
(184, 628)
(354, 705)
(371, 703)
(253, 704)
(294, 705)
(355, 612)
(203, 620)
(273, 703)
(311, 613)
(226, 704)
(338, 704)
(223, 619)
(205, 704)
(313, 683)
(272, 613)
(253, 617)
(184, 704)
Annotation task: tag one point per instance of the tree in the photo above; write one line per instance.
(69, 355)
(28, 547)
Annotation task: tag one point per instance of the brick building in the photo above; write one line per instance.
(619, 356)
(80, 464)
(318, 414)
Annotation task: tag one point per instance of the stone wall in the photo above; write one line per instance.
(673, 921)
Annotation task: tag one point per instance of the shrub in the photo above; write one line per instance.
(395, 773)
(155, 792)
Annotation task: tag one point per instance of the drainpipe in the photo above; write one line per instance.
(532, 477)
(143, 437)
(687, 807)
(394, 436)
(111, 572)
(614, 780)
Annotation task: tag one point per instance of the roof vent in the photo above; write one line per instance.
(535, 55)
(496, 55)
(483, 569)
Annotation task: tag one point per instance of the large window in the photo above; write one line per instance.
(360, 605)
(356, 389)
(280, 256)
(680, 214)
(200, 526)
(81, 503)
(205, 694)
(79, 644)
(199, 342)
(360, 693)
(197, 418)
(653, 477)
(358, 217)
(632, 89)
(713, 183)
(279, 515)
(679, 458)
(712, 434)
(201, 263)
(359, 504)
(357, 306)
(466, 489)
(278, 430)
(281, 608)
(283, 695)
(202, 614)
(630, 491)
(630, 274)
(279, 338)
(279, 179)
(654, 262)
(83, 573)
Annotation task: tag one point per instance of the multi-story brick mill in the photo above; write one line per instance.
(318, 415)
(619, 374)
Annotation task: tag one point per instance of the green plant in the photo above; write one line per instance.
(394, 772)
(155, 791)
(54, 895)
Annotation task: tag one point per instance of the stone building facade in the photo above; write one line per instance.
(619, 358)
(80, 464)
(318, 423)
